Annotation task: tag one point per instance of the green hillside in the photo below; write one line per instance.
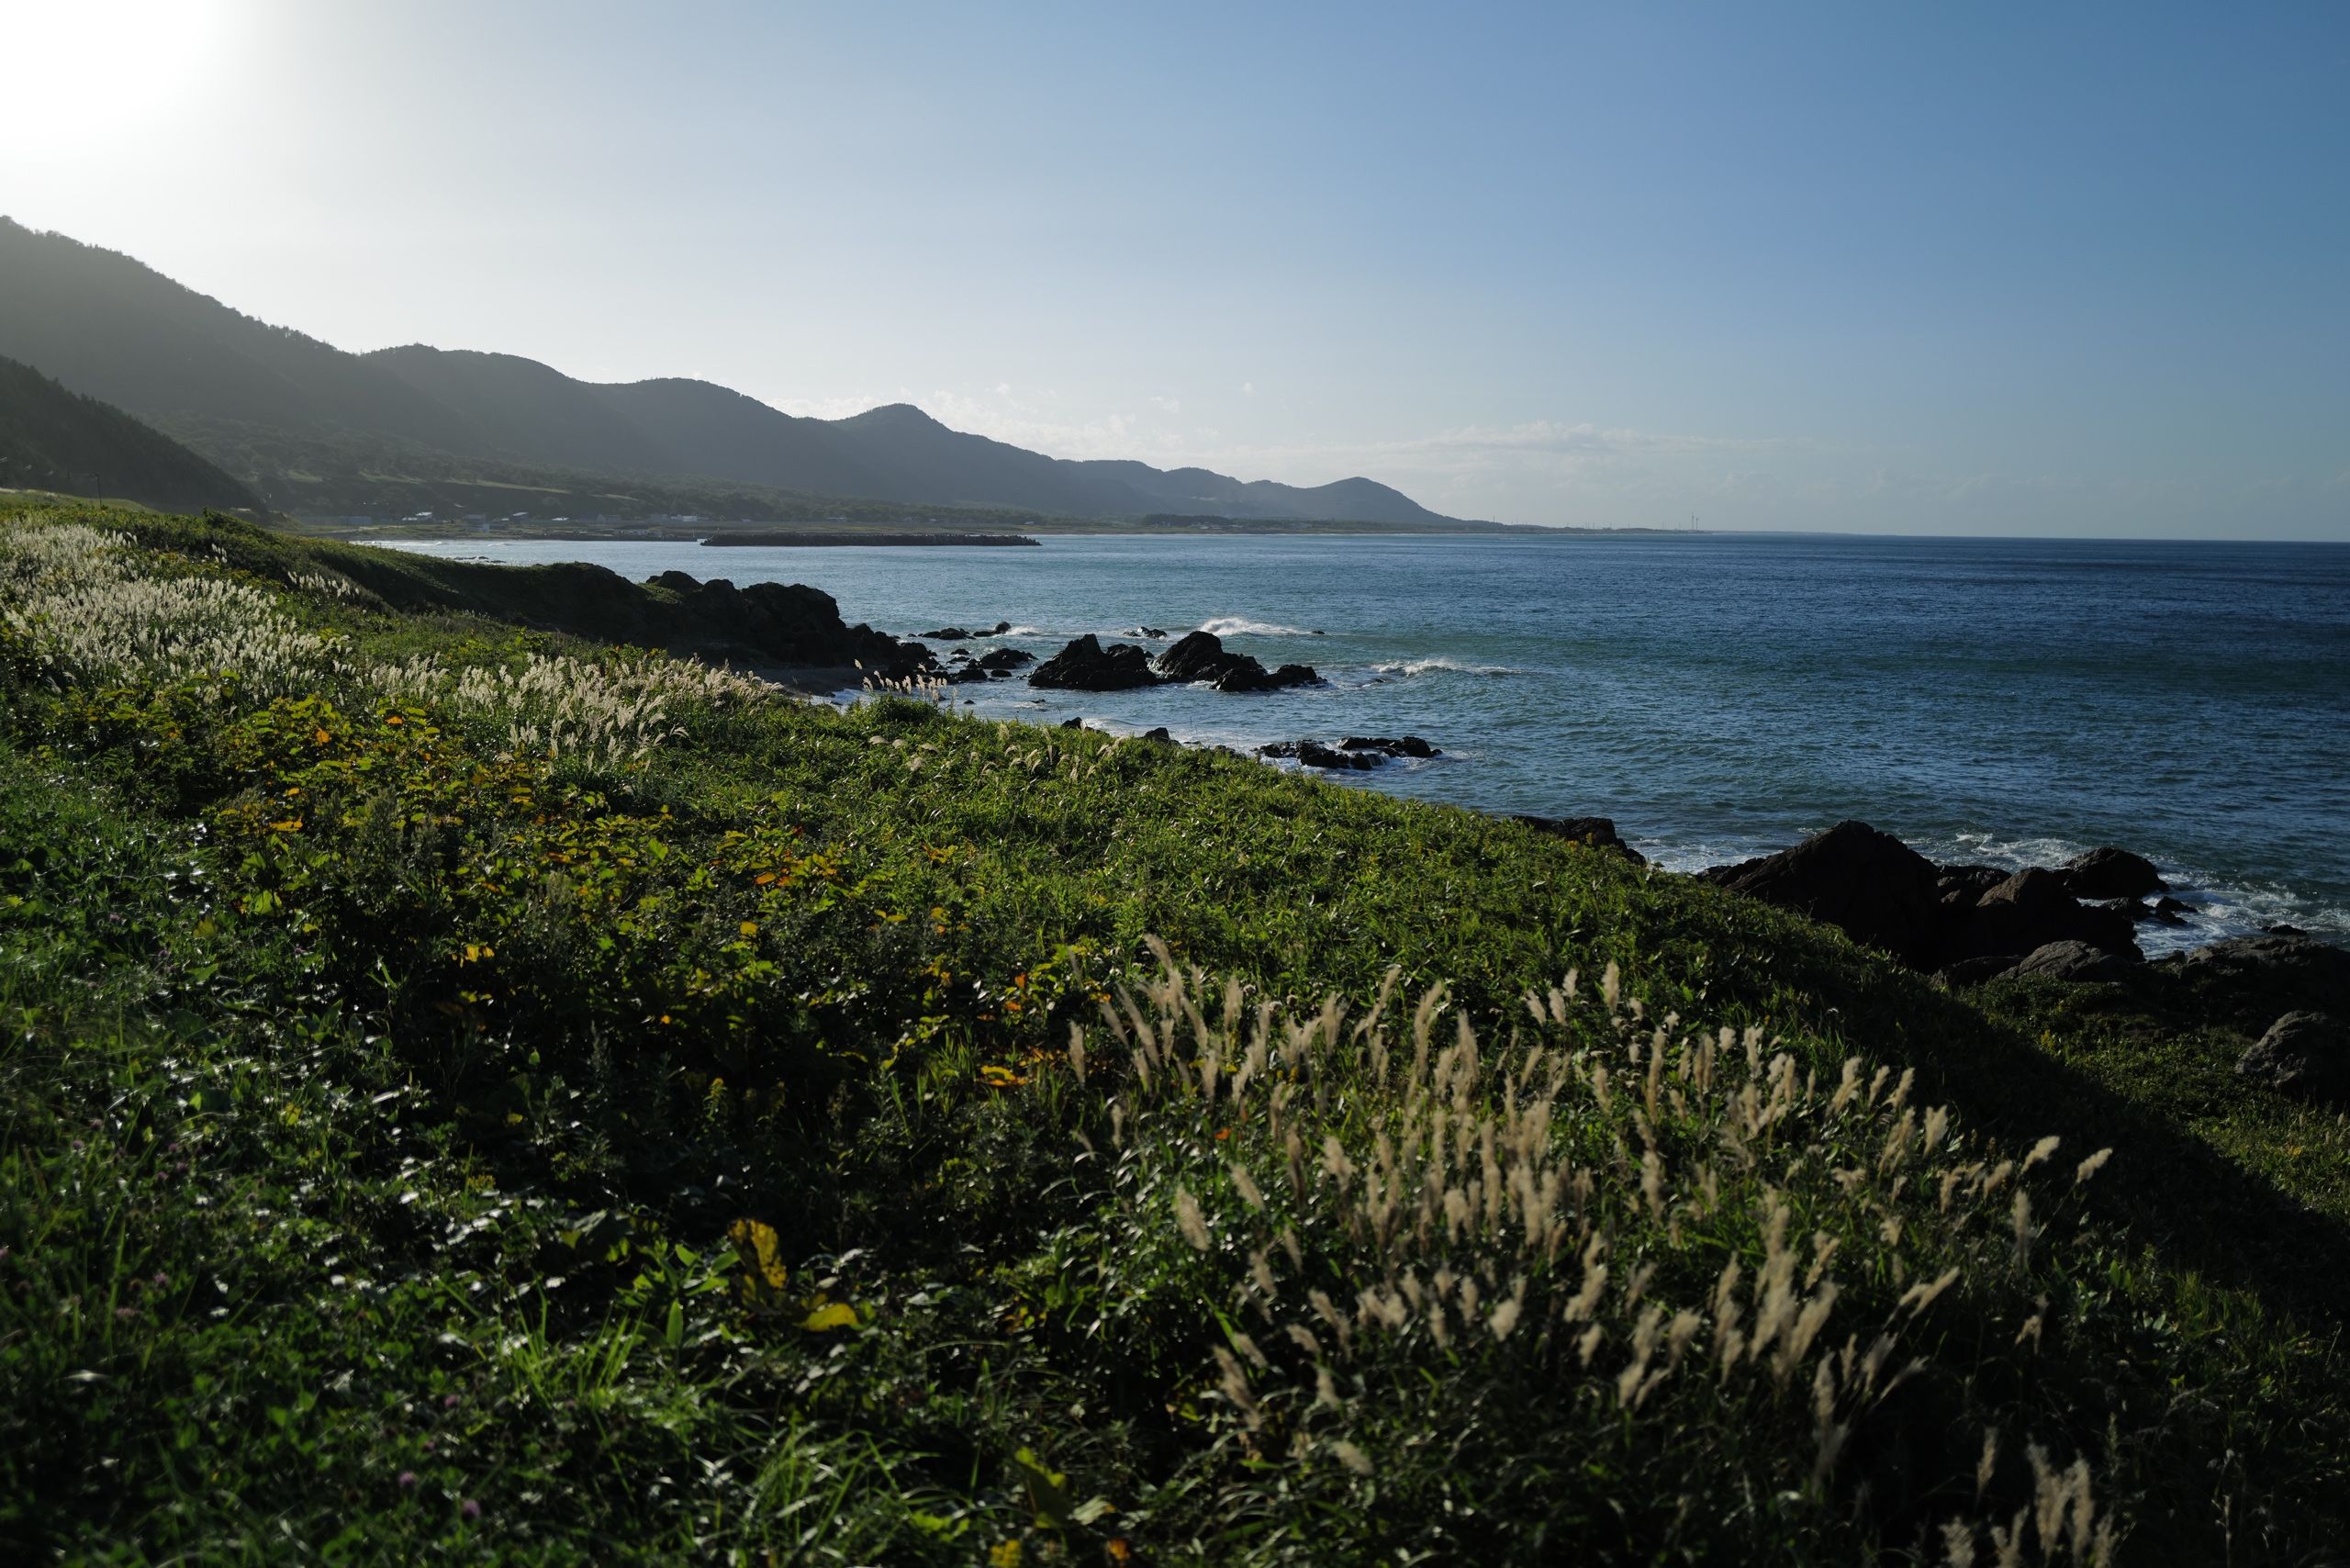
(53, 439)
(472, 1091)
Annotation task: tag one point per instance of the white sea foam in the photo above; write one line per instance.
(1442, 665)
(1240, 627)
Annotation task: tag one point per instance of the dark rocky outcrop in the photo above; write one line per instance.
(2302, 1053)
(1959, 887)
(764, 625)
(1965, 922)
(1005, 660)
(1597, 832)
(2248, 980)
(945, 635)
(1201, 657)
(1086, 666)
(1390, 745)
(1876, 888)
(1159, 733)
(2028, 911)
(2110, 873)
(2074, 960)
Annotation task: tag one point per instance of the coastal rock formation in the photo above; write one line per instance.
(764, 625)
(1200, 657)
(1597, 832)
(2028, 911)
(1966, 921)
(2110, 873)
(1877, 889)
(1390, 745)
(1314, 754)
(2303, 1053)
(1086, 666)
(1959, 887)
(1005, 660)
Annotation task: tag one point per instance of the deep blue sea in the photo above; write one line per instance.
(2005, 701)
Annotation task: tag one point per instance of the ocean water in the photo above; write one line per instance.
(2004, 701)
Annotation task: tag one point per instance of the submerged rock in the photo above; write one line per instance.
(947, 634)
(1314, 754)
(1086, 666)
(1390, 745)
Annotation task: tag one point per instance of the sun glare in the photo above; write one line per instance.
(88, 70)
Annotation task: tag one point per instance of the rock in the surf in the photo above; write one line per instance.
(2110, 873)
(1390, 745)
(1201, 657)
(1086, 666)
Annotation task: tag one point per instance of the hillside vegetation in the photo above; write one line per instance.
(53, 439)
(473, 1091)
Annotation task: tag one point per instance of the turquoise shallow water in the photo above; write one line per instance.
(2000, 700)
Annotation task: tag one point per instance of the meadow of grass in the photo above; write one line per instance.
(475, 1093)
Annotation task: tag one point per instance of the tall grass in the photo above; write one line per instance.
(466, 1093)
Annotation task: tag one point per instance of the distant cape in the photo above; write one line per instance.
(250, 396)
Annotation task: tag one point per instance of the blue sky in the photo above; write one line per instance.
(1986, 268)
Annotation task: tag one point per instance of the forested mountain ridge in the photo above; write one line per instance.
(107, 326)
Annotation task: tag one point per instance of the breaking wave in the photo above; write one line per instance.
(1239, 626)
(1433, 665)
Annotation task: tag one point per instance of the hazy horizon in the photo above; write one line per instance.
(1827, 268)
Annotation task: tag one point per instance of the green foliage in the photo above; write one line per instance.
(831, 1134)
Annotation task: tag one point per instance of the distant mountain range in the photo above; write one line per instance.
(266, 403)
(51, 438)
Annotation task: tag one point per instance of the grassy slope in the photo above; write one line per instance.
(380, 1103)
